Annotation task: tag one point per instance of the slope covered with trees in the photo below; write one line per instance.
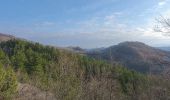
(8, 81)
(70, 76)
(136, 56)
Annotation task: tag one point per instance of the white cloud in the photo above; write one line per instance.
(161, 3)
(103, 29)
(111, 30)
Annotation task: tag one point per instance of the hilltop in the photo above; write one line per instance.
(5, 37)
(135, 55)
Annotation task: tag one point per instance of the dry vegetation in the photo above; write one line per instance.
(46, 73)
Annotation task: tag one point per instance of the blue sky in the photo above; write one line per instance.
(85, 23)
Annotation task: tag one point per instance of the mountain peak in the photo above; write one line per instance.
(137, 56)
(132, 43)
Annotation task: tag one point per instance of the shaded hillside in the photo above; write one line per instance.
(136, 56)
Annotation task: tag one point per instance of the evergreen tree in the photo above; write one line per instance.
(8, 82)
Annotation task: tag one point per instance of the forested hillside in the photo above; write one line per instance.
(64, 75)
(136, 56)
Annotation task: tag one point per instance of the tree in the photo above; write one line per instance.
(163, 25)
(8, 82)
(18, 60)
(3, 58)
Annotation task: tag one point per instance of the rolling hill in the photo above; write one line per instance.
(31, 70)
(136, 56)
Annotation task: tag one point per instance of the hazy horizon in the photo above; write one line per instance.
(84, 23)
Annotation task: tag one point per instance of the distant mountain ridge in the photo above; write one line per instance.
(5, 37)
(165, 48)
(136, 56)
(76, 49)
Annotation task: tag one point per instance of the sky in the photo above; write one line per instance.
(84, 23)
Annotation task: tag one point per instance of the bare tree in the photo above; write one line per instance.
(163, 25)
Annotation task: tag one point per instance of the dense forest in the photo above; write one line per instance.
(71, 76)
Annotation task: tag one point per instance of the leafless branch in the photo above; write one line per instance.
(163, 25)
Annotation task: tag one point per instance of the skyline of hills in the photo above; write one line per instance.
(41, 72)
(134, 55)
